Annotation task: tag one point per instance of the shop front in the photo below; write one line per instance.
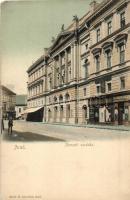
(34, 114)
(101, 110)
(113, 110)
(122, 110)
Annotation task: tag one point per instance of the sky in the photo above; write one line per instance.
(26, 29)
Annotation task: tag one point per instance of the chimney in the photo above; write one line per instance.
(93, 5)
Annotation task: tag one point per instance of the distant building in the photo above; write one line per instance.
(84, 76)
(10, 87)
(8, 102)
(21, 105)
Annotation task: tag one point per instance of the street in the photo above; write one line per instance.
(65, 160)
(33, 131)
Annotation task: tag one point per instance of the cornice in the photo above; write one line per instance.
(112, 94)
(109, 36)
(104, 75)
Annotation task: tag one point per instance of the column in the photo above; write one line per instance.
(54, 75)
(72, 61)
(66, 66)
(75, 60)
(60, 63)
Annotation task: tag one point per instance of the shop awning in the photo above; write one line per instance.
(31, 110)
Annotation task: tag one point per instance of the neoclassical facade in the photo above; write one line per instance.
(84, 77)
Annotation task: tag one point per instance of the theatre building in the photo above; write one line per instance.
(84, 77)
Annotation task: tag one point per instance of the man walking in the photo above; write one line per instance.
(10, 125)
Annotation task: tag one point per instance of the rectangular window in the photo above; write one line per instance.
(122, 53)
(63, 59)
(103, 89)
(109, 87)
(84, 90)
(62, 75)
(69, 55)
(108, 54)
(122, 20)
(109, 26)
(122, 81)
(97, 63)
(50, 80)
(85, 69)
(98, 34)
(38, 89)
(57, 76)
(69, 73)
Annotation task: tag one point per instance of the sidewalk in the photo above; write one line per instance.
(108, 127)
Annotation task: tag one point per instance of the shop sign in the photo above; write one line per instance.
(121, 98)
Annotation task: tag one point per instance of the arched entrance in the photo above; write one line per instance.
(67, 113)
(49, 115)
(84, 114)
(61, 113)
(55, 113)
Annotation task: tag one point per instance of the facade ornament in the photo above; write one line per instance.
(62, 28)
(75, 18)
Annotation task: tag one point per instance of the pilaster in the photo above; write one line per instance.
(66, 66)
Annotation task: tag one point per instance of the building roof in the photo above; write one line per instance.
(21, 100)
(7, 90)
(38, 61)
(92, 12)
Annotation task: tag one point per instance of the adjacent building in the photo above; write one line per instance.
(21, 105)
(84, 77)
(8, 102)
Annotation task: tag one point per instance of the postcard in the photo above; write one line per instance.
(65, 100)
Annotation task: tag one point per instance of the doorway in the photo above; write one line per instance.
(120, 113)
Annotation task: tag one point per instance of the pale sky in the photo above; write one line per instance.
(27, 28)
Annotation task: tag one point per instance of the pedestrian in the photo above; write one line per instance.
(2, 125)
(10, 125)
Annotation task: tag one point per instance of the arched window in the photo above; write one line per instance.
(55, 99)
(60, 98)
(67, 97)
